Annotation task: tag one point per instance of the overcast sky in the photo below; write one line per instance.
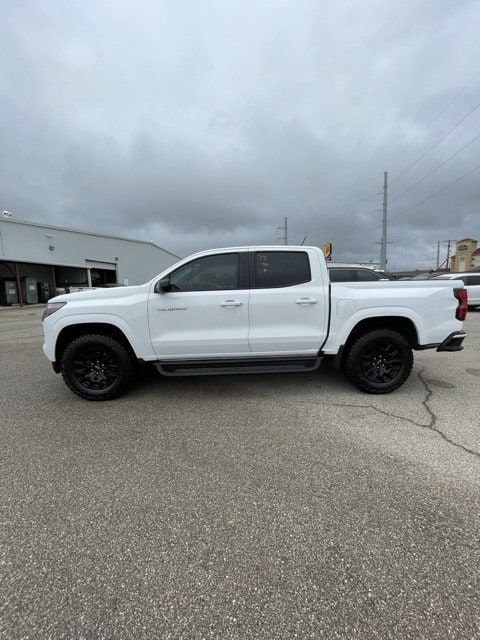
(203, 124)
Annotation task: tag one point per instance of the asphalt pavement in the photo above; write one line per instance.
(239, 507)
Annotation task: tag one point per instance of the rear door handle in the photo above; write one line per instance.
(231, 303)
(306, 301)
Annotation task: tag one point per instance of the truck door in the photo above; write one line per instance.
(205, 312)
(288, 302)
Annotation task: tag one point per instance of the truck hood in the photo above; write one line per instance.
(110, 293)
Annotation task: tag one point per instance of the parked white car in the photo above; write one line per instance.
(471, 281)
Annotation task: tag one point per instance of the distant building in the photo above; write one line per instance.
(476, 259)
(38, 260)
(467, 255)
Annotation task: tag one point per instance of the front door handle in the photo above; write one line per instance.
(306, 301)
(231, 303)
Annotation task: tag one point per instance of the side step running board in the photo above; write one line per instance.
(234, 367)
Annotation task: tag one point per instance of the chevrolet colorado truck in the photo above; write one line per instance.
(250, 310)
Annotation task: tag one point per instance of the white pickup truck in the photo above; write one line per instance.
(250, 310)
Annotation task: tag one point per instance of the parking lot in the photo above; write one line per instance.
(281, 506)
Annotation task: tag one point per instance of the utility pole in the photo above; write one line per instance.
(446, 262)
(438, 253)
(285, 231)
(383, 247)
(448, 251)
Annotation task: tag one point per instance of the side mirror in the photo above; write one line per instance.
(163, 285)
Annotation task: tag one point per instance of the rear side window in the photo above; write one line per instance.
(471, 280)
(280, 269)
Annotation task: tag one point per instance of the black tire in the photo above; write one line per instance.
(96, 367)
(379, 361)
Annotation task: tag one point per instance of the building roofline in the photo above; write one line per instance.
(45, 263)
(86, 233)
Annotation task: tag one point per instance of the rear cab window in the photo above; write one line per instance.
(273, 269)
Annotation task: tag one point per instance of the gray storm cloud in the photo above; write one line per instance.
(205, 124)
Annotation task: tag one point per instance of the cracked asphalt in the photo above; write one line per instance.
(238, 507)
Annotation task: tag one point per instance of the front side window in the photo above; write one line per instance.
(281, 268)
(210, 273)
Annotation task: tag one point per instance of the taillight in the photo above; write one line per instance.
(462, 296)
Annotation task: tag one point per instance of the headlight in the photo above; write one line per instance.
(51, 308)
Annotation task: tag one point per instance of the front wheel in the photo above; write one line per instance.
(96, 367)
(379, 361)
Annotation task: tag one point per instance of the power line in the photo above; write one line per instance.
(435, 193)
(465, 202)
(440, 113)
(477, 197)
(435, 170)
(437, 143)
(367, 213)
(351, 204)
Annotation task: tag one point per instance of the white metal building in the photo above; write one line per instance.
(37, 260)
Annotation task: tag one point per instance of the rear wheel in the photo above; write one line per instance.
(379, 361)
(96, 367)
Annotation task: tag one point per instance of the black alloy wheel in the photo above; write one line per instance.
(96, 367)
(379, 361)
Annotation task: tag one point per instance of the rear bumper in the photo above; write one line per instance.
(453, 342)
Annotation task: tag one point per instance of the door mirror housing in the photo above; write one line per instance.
(163, 285)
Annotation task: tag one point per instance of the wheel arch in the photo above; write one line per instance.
(73, 331)
(404, 326)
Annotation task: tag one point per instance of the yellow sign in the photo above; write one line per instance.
(327, 250)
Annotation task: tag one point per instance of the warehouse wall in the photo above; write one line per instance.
(133, 262)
